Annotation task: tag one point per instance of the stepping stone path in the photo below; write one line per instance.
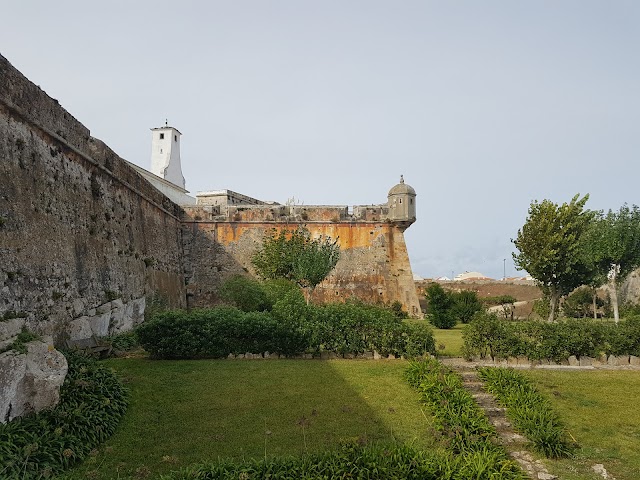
(513, 441)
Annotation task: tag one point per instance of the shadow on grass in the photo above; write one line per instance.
(186, 411)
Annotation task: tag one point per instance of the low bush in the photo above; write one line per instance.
(625, 338)
(292, 327)
(357, 328)
(529, 410)
(123, 342)
(245, 293)
(92, 402)
(462, 422)
(217, 332)
(379, 461)
(489, 336)
(485, 336)
(278, 288)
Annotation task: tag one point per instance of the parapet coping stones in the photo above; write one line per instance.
(325, 355)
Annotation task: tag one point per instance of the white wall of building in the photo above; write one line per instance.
(165, 155)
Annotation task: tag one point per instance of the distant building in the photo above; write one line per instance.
(470, 276)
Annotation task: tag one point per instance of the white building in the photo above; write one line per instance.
(470, 276)
(166, 169)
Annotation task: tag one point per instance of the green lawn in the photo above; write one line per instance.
(450, 339)
(183, 412)
(601, 412)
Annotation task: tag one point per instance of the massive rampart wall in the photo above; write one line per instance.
(374, 264)
(78, 226)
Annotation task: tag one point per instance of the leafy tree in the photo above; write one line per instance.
(541, 307)
(398, 312)
(550, 248)
(613, 246)
(296, 256)
(439, 306)
(277, 289)
(245, 293)
(465, 305)
(579, 302)
(507, 302)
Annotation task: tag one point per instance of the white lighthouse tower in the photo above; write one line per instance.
(165, 154)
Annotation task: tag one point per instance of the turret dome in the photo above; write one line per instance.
(402, 188)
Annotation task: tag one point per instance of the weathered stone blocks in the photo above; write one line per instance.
(586, 361)
(30, 382)
(79, 329)
(109, 319)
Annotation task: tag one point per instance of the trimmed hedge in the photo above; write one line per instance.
(489, 336)
(291, 328)
(92, 402)
(217, 332)
(529, 410)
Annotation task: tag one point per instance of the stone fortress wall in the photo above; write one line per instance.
(224, 229)
(374, 264)
(86, 240)
(79, 228)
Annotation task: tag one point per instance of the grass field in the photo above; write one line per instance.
(601, 412)
(183, 412)
(188, 411)
(450, 339)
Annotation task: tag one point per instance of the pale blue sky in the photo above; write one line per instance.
(483, 106)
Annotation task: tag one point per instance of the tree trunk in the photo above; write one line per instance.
(614, 293)
(595, 303)
(553, 304)
(307, 294)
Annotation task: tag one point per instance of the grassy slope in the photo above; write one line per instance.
(187, 411)
(600, 411)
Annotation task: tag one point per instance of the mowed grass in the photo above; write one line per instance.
(600, 409)
(184, 412)
(450, 339)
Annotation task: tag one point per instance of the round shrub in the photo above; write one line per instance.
(245, 293)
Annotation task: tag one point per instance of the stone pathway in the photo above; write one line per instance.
(459, 362)
(513, 441)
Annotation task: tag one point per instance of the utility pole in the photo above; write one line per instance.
(504, 269)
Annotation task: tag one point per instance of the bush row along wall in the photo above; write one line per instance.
(374, 264)
(78, 226)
